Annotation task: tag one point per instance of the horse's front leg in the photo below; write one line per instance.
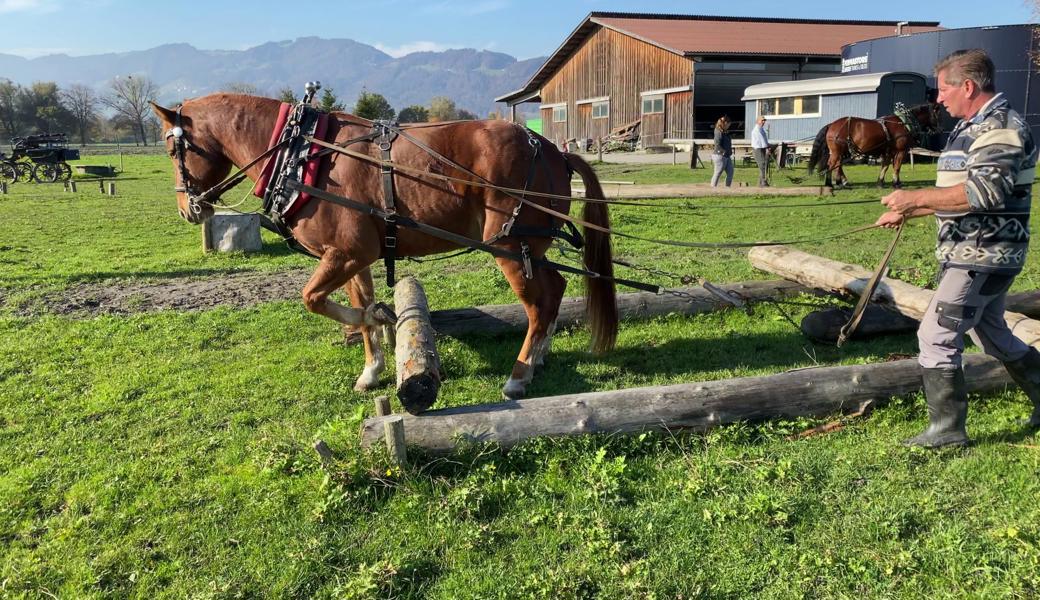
(883, 172)
(334, 270)
(362, 295)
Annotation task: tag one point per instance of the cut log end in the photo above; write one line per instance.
(418, 392)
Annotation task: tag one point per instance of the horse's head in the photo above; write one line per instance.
(198, 163)
(928, 115)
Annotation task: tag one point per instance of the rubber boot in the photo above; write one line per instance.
(1026, 373)
(947, 397)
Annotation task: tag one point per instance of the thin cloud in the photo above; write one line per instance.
(410, 47)
(35, 52)
(36, 6)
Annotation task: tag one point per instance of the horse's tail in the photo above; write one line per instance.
(821, 153)
(601, 310)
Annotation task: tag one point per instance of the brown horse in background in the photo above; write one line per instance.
(890, 137)
(225, 130)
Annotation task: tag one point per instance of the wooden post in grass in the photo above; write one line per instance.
(393, 432)
(382, 406)
(72, 187)
(418, 366)
(111, 188)
(814, 392)
(3, 187)
(823, 273)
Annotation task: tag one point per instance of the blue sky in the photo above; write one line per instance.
(523, 29)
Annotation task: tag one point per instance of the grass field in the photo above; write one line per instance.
(168, 454)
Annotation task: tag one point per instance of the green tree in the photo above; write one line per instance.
(464, 115)
(287, 95)
(442, 108)
(413, 114)
(329, 101)
(371, 105)
(40, 108)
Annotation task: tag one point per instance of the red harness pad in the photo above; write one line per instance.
(310, 170)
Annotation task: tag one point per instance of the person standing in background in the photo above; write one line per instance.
(722, 155)
(760, 146)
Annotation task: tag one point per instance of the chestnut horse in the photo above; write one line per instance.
(890, 137)
(225, 130)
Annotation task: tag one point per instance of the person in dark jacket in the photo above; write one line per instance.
(722, 155)
(984, 183)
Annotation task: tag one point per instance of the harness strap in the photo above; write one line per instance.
(583, 223)
(461, 240)
(857, 314)
(385, 139)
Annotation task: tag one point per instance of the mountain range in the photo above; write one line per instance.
(472, 78)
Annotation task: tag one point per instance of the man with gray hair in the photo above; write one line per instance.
(982, 201)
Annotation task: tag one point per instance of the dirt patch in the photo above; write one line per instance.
(236, 290)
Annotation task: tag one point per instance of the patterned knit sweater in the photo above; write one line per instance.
(993, 156)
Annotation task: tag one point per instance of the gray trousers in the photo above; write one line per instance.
(969, 302)
(762, 159)
(721, 163)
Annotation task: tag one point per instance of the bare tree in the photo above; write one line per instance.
(83, 103)
(129, 97)
(240, 87)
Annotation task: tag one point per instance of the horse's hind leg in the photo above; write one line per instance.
(883, 171)
(540, 297)
(334, 270)
(362, 295)
(897, 164)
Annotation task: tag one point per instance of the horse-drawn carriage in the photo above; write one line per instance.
(43, 157)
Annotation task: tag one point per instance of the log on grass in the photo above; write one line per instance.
(503, 318)
(418, 366)
(825, 325)
(815, 392)
(824, 273)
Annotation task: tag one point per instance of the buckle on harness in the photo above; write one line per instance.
(391, 241)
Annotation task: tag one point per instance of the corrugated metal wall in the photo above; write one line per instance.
(612, 64)
(831, 108)
(1010, 47)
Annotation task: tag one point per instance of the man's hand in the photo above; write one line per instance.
(900, 201)
(890, 220)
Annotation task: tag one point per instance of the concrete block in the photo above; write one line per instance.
(231, 232)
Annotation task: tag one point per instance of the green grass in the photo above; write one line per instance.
(168, 454)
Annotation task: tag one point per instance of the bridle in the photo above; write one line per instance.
(181, 146)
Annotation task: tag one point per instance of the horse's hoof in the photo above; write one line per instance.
(380, 314)
(369, 380)
(514, 389)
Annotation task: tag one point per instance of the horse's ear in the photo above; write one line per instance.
(163, 113)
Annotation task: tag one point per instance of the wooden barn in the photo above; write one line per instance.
(676, 74)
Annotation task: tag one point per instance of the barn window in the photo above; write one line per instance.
(600, 110)
(559, 114)
(789, 106)
(653, 104)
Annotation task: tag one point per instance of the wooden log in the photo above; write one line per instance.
(825, 325)
(804, 392)
(494, 319)
(418, 366)
(111, 188)
(908, 300)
